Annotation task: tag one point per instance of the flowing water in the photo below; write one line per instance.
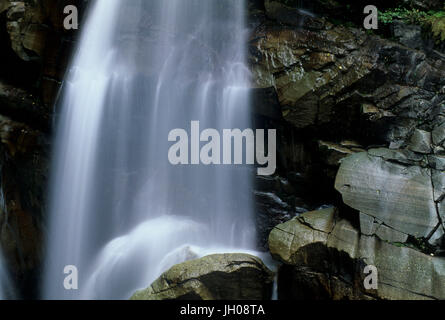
(7, 290)
(119, 211)
(6, 287)
(4, 281)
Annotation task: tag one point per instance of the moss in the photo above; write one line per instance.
(432, 22)
(436, 25)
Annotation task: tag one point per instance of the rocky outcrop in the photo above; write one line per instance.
(214, 277)
(325, 256)
(373, 105)
(400, 196)
(341, 75)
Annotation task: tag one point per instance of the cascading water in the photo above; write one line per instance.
(6, 288)
(120, 211)
(3, 278)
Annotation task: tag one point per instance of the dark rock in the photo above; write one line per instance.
(408, 35)
(420, 141)
(437, 162)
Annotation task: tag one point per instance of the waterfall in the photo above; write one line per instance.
(6, 287)
(120, 212)
(3, 277)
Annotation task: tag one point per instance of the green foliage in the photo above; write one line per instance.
(412, 16)
(432, 21)
(436, 14)
(436, 24)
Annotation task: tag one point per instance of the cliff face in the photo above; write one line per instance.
(361, 124)
(367, 117)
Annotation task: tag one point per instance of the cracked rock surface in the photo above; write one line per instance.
(324, 257)
(214, 277)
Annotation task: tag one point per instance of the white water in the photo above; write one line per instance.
(6, 287)
(120, 212)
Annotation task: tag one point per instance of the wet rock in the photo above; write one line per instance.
(400, 196)
(438, 180)
(278, 11)
(437, 162)
(408, 35)
(276, 201)
(441, 208)
(420, 141)
(215, 277)
(23, 107)
(325, 257)
(402, 156)
(20, 28)
(340, 79)
(38, 45)
(333, 153)
(371, 226)
(23, 176)
(438, 134)
(424, 4)
(265, 103)
(311, 227)
(4, 5)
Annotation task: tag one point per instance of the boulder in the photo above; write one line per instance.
(324, 257)
(371, 226)
(409, 35)
(399, 196)
(216, 277)
(439, 134)
(313, 227)
(420, 141)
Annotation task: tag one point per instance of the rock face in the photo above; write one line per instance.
(324, 257)
(336, 84)
(214, 277)
(37, 45)
(399, 195)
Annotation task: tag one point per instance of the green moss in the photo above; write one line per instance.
(437, 26)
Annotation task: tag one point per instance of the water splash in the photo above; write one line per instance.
(119, 210)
